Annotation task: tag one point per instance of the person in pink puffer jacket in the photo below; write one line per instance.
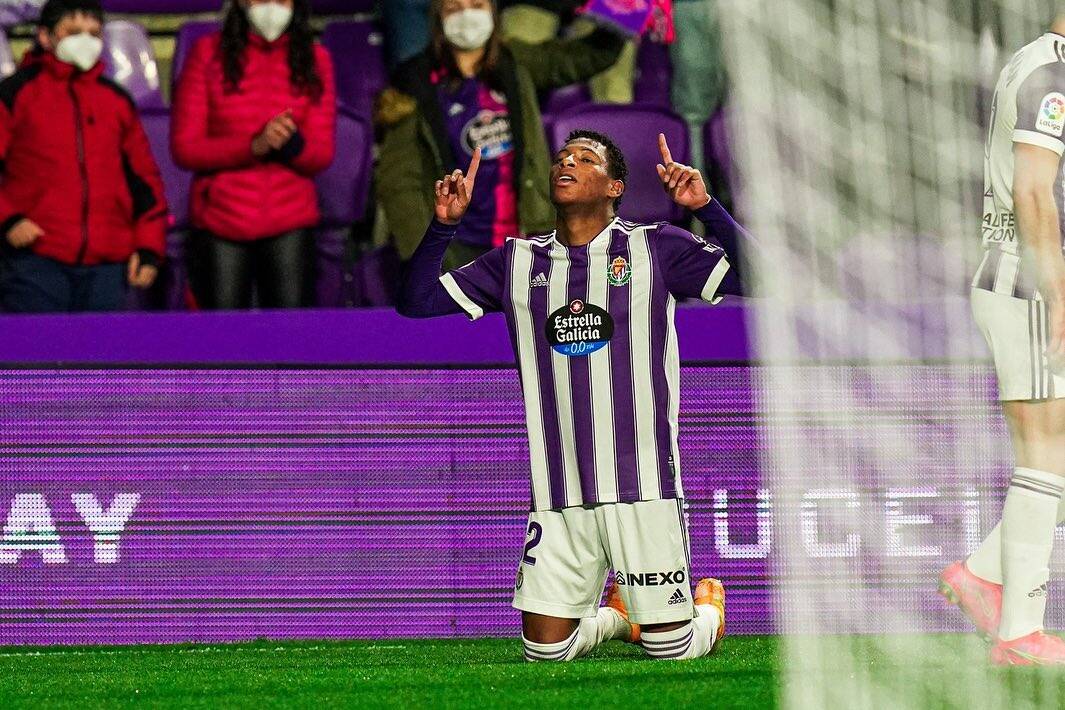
(254, 116)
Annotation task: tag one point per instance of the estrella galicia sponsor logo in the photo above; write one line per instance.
(579, 329)
(619, 273)
(649, 579)
(490, 131)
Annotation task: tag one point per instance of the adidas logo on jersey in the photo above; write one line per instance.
(539, 280)
(677, 598)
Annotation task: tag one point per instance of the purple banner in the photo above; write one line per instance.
(316, 337)
(166, 505)
(212, 505)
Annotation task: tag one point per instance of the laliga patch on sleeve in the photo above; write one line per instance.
(1051, 117)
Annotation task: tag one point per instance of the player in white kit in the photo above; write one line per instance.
(1018, 300)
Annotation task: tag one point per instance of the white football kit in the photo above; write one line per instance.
(568, 553)
(1029, 107)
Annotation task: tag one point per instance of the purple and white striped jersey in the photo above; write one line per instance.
(592, 328)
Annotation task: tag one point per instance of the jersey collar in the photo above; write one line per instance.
(553, 236)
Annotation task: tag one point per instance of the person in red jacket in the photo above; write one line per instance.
(254, 114)
(82, 210)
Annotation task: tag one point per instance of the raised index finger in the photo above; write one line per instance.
(663, 146)
(475, 163)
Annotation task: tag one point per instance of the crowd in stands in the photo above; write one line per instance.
(262, 114)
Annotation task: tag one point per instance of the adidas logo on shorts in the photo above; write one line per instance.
(677, 598)
(540, 280)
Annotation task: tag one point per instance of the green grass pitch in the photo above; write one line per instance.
(743, 672)
(405, 673)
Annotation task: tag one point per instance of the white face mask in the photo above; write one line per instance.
(269, 19)
(82, 50)
(468, 29)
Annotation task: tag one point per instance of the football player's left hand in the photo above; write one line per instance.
(683, 183)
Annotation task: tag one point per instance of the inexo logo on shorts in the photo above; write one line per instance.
(649, 579)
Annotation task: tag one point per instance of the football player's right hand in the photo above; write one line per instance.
(683, 183)
(454, 191)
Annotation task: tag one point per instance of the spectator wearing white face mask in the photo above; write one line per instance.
(82, 212)
(254, 117)
(471, 89)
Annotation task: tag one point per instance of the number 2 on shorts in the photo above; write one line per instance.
(536, 532)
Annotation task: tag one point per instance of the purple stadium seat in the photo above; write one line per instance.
(156, 122)
(162, 7)
(375, 278)
(342, 7)
(177, 183)
(654, 75)
(343, 191)
(7, 58)
(561, 100)
(635, 129)
(357, 49)
(343, 187)
(717, 153)
(186, 37)
(130, 61)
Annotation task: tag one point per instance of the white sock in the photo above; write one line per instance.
(1028, 521)
(692, 640)
(986, 560)
(606, 625)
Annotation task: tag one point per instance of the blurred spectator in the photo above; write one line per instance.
(81, 201)
(469, 89)
(15, 12)
(536, 21)
(699, 78)
(406, 24)
(254, 117)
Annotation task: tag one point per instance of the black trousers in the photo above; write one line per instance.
(279, 270)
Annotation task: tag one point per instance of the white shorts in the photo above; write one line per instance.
(1016, 332)
(568, 552)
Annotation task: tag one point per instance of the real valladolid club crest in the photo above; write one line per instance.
(619, 272)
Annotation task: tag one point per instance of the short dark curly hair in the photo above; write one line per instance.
(615, 159)
(53, 11)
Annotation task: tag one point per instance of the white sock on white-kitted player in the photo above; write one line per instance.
(986, 560)
(1029, 518)
(692, 640)
(606, 625)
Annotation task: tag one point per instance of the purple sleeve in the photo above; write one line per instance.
(695, 267)
(478, 286)
(421, 295)
(474, 289)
